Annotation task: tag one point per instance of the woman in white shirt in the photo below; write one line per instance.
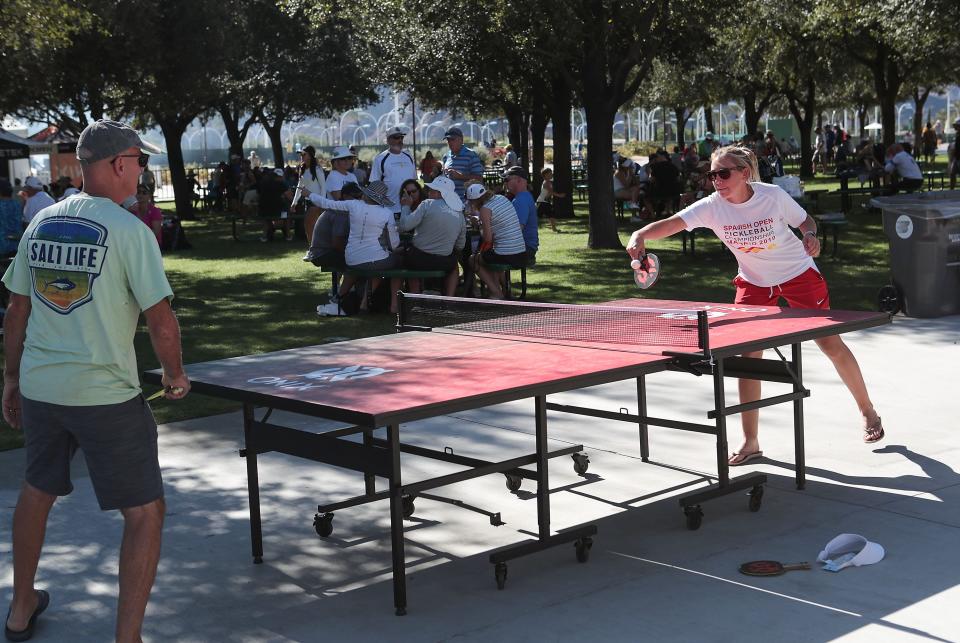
(373, 237)
(753, 219)
(312, 179)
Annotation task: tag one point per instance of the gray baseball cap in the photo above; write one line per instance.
(102, 139)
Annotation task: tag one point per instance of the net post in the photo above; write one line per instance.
(703, 332)
(401, 310)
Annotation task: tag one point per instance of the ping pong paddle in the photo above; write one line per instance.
(646, 270)
(160, 393)
(770, 568)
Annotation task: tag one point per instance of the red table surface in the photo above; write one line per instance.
(381, 377)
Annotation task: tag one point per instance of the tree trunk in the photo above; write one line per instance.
(560, 104)
(803, 108)
(524, 154)
(603, 221)
(538, 126)
(273, 129)
(861, 118)
(515, 124)
(708, 117)
(919, 100)
(173, 129)
(236, 133)
(682, 115)
(753, 110)
(887, 81)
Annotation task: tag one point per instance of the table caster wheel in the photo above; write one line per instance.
(889, 299)
(694, 516)
(756, 498)
(513, 481)
(408, 506)
(583, 546)
(323, 523)
(581, 462)
(500, 572)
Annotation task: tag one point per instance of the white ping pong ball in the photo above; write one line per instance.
(636, 264)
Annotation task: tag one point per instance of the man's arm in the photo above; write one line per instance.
(165, 337)
(14, 333)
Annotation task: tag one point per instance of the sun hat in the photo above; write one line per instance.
(396, 131)
(102, 139)
(448, 190)
(342, 153)
(34, 183)
(849, 550)
(377, 191)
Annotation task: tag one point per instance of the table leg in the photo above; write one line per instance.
(253, 483)
(543, 474)
(719, 401)
(642, 412)
(800, 466)
(396, 523)
(369, 479)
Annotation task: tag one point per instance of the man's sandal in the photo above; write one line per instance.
(873, 433)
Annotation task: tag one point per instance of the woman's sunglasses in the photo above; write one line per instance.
(724, 174)
(412, 192)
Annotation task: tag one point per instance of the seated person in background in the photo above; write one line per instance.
(411, 189)
(690, 158)
(545, 200)
(272, 204)
(664, 185)
(502, 238)
(626, 187)
(515, 183)
(372, 240)
(903, 169)
(150, 214)
(439, 232)
(329, 239)
(11, 215)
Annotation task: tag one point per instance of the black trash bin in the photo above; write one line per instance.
(924, 234)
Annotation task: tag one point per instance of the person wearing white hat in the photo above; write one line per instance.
(394, 165)
(36, 199)
(439, 233)
(501, 236)
(342, 163)
(372, 241)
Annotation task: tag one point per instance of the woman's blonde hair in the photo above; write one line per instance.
(742, 157)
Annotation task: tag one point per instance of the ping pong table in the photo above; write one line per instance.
(470, 354)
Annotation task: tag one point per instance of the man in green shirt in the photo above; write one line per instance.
(85, 269)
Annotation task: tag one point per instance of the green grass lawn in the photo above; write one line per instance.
(236, 298)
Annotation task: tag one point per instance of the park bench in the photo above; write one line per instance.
(833, 223)
(507, 281)
(236, 217)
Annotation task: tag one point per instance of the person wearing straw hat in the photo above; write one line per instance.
(372, 241)
(439, 233)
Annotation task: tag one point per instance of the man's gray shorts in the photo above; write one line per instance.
(119, 442)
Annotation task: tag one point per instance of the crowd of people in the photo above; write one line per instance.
(384, 218)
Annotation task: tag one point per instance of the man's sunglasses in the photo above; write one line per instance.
(724, 174)
(142, 159)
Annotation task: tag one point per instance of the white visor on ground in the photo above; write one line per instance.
(865, 552)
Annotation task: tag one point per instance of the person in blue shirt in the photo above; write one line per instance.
(460, 163)
(515, 182)
(11, 214)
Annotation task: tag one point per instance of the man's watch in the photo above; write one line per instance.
(810, 232)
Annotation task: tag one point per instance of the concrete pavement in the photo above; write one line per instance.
(648, 577)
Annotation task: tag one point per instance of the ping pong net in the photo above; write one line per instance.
(595, 324)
